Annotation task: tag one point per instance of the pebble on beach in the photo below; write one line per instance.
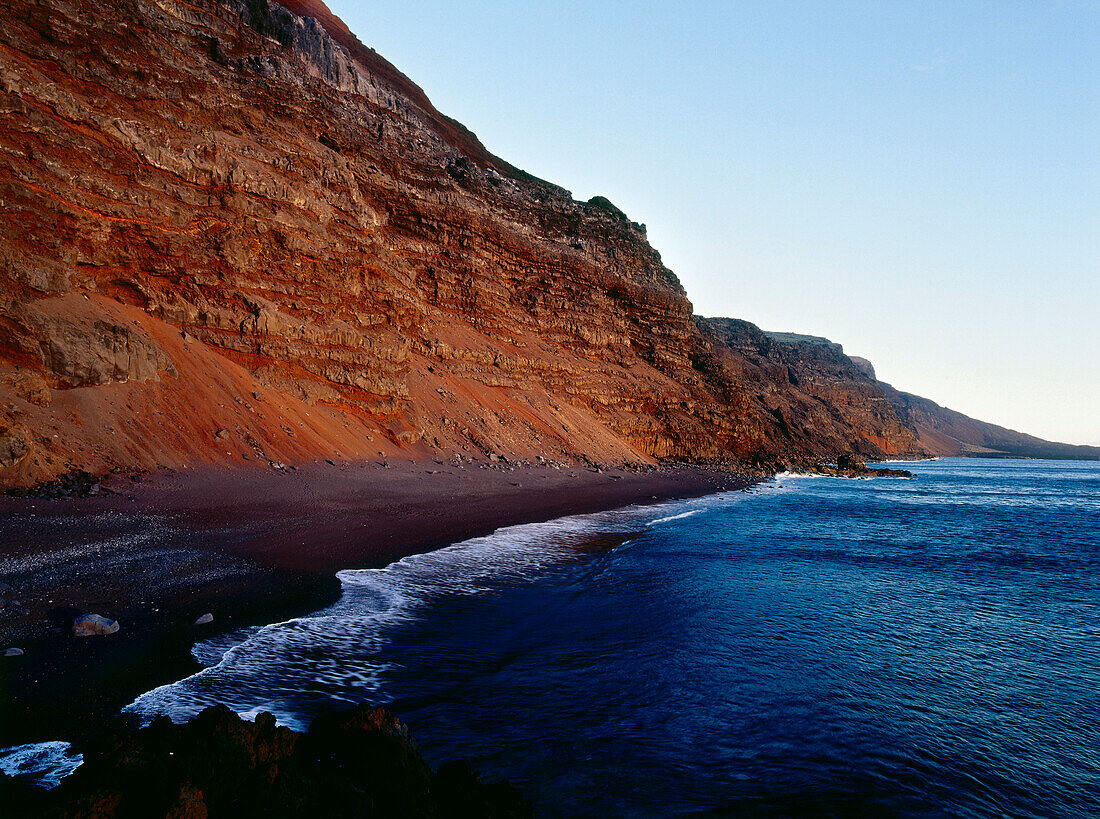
(90, 625)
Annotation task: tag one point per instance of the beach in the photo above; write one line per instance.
(250, 547)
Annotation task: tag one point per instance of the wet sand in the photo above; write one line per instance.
(249, 547)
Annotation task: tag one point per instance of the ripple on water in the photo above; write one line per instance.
(823, 647)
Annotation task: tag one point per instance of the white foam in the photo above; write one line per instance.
(670, 518)
(337, 654)
(41, 763)
(210, 652)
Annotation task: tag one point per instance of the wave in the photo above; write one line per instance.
(792, 476)
(333, 657)
(680, 516)
(40, 763)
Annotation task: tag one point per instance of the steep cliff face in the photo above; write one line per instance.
(233, 234)
(229, 172)
(821, 401)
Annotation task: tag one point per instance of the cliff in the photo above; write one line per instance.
(947, 432)
(810, 375)
(232, 234)
(822, 402)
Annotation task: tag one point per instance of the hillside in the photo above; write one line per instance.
(947, 432)
(234, 235)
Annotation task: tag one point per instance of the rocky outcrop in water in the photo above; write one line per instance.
(230, 215)
(360, 763)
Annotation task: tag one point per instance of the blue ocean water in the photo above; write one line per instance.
(812, 647)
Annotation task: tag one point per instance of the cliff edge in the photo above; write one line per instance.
(231, 234)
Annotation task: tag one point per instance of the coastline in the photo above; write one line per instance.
(251, 548)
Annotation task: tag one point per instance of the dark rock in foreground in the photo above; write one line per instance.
(361, 762)
(75, 484)
(849, 466)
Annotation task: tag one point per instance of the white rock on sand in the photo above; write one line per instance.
(91, 625)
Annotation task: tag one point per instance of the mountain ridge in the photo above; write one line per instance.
(234, 235)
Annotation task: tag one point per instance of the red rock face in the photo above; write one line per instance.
(217, 217)
(822, 401)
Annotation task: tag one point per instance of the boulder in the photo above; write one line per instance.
(851, 462)
(91, 625)
(83, 349)
(14, 444)
(204, 619)
(361, 763)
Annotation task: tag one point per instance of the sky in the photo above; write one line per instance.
(918, 181)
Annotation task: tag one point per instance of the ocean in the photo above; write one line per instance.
(811, 647)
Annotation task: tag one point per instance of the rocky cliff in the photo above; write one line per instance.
(833, 403)
(821, 401)
(946, 432)
(233, 234)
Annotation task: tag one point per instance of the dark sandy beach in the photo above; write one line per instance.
(249, 547)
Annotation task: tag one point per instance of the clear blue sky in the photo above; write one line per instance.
(919, 181)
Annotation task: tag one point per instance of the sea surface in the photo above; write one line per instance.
(811, 647)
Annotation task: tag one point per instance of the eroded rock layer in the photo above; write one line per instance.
(821, 401)
(229, 237)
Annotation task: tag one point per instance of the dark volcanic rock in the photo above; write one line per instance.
(360, 763)
(850, 467)
(75, 484)
(851, 463)
(884, 472)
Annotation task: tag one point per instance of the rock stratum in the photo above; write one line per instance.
(231, 234)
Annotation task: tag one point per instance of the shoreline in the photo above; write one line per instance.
(251, 548)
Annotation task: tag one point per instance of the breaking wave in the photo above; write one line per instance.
(333, 658)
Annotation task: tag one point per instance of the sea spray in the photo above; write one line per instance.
(40, 763)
